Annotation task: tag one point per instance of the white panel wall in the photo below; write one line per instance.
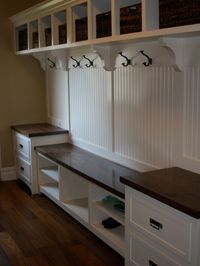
(91, 106)
(143, 108)
(57, 97)
(191, 121)
(144, 118)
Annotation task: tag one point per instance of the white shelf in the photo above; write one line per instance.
(66, 13)
(79, 207)
(51, 171)
(51, 191)
(111, 211)
(116, 236)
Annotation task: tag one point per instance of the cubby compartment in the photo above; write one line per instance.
(128, 16)
(103, 208)
(178, 13)
(80, 22)
(102, 22)
(45, 31)
(48, 175)
(60, 27)
(33, 35)
(74, 192)
(21, 37)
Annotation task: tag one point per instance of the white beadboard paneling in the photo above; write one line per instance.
(57, 97)
(143, 114)
(191, 121)
(91, 106)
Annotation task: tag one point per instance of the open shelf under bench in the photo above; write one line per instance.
(82, 184)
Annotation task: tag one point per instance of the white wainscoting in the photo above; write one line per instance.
(57, 97)
(91, 106)
(143, 109)
(141, 117)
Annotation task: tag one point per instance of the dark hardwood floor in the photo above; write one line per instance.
(36, 232)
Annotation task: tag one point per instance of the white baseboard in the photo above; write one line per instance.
(8, 173)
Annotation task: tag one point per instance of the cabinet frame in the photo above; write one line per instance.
(150, 24)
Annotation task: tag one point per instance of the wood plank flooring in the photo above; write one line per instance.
(36, 232)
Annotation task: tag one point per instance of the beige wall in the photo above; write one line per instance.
(22, 83)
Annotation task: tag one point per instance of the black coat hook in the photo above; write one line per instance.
(53, 63)
(77, 62)
(148, 58)
(128, 61)
(91, 62)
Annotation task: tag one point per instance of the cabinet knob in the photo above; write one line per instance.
(151, 263)
(155, 224)
(22, 168)
(21, 146)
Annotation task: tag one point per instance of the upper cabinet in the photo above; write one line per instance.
(68, 23)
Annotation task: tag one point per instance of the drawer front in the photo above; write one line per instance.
(172, 231)
(144, 254)
(24, 169)
(22, 145)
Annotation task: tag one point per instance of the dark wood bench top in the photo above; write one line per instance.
(94, 168)
(174, 186)
(36, 130)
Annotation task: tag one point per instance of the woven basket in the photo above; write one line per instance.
(178, 13)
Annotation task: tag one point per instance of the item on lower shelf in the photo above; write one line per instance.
(120, 206)
(115, 202)
(110, 223)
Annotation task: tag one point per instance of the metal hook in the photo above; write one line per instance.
(91, 62)
(148, 58)
(128, 61)
(53, 63)
(77, 62)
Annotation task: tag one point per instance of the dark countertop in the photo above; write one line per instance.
(94, 168)
(36, 130)
(174, 186)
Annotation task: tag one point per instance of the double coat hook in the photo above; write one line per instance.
(91, 62)
(128, 61)
(78, 63)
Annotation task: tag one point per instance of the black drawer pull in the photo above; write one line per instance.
(22, 168)
(155, 224)
(21, 146)
(151, 263)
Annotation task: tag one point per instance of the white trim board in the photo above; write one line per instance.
(8, 173)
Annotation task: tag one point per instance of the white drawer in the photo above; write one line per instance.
(171, 230)
(24, 170)
(22, 145)
(142, 253)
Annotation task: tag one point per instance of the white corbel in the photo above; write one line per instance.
(41, 57)
(175, 48)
